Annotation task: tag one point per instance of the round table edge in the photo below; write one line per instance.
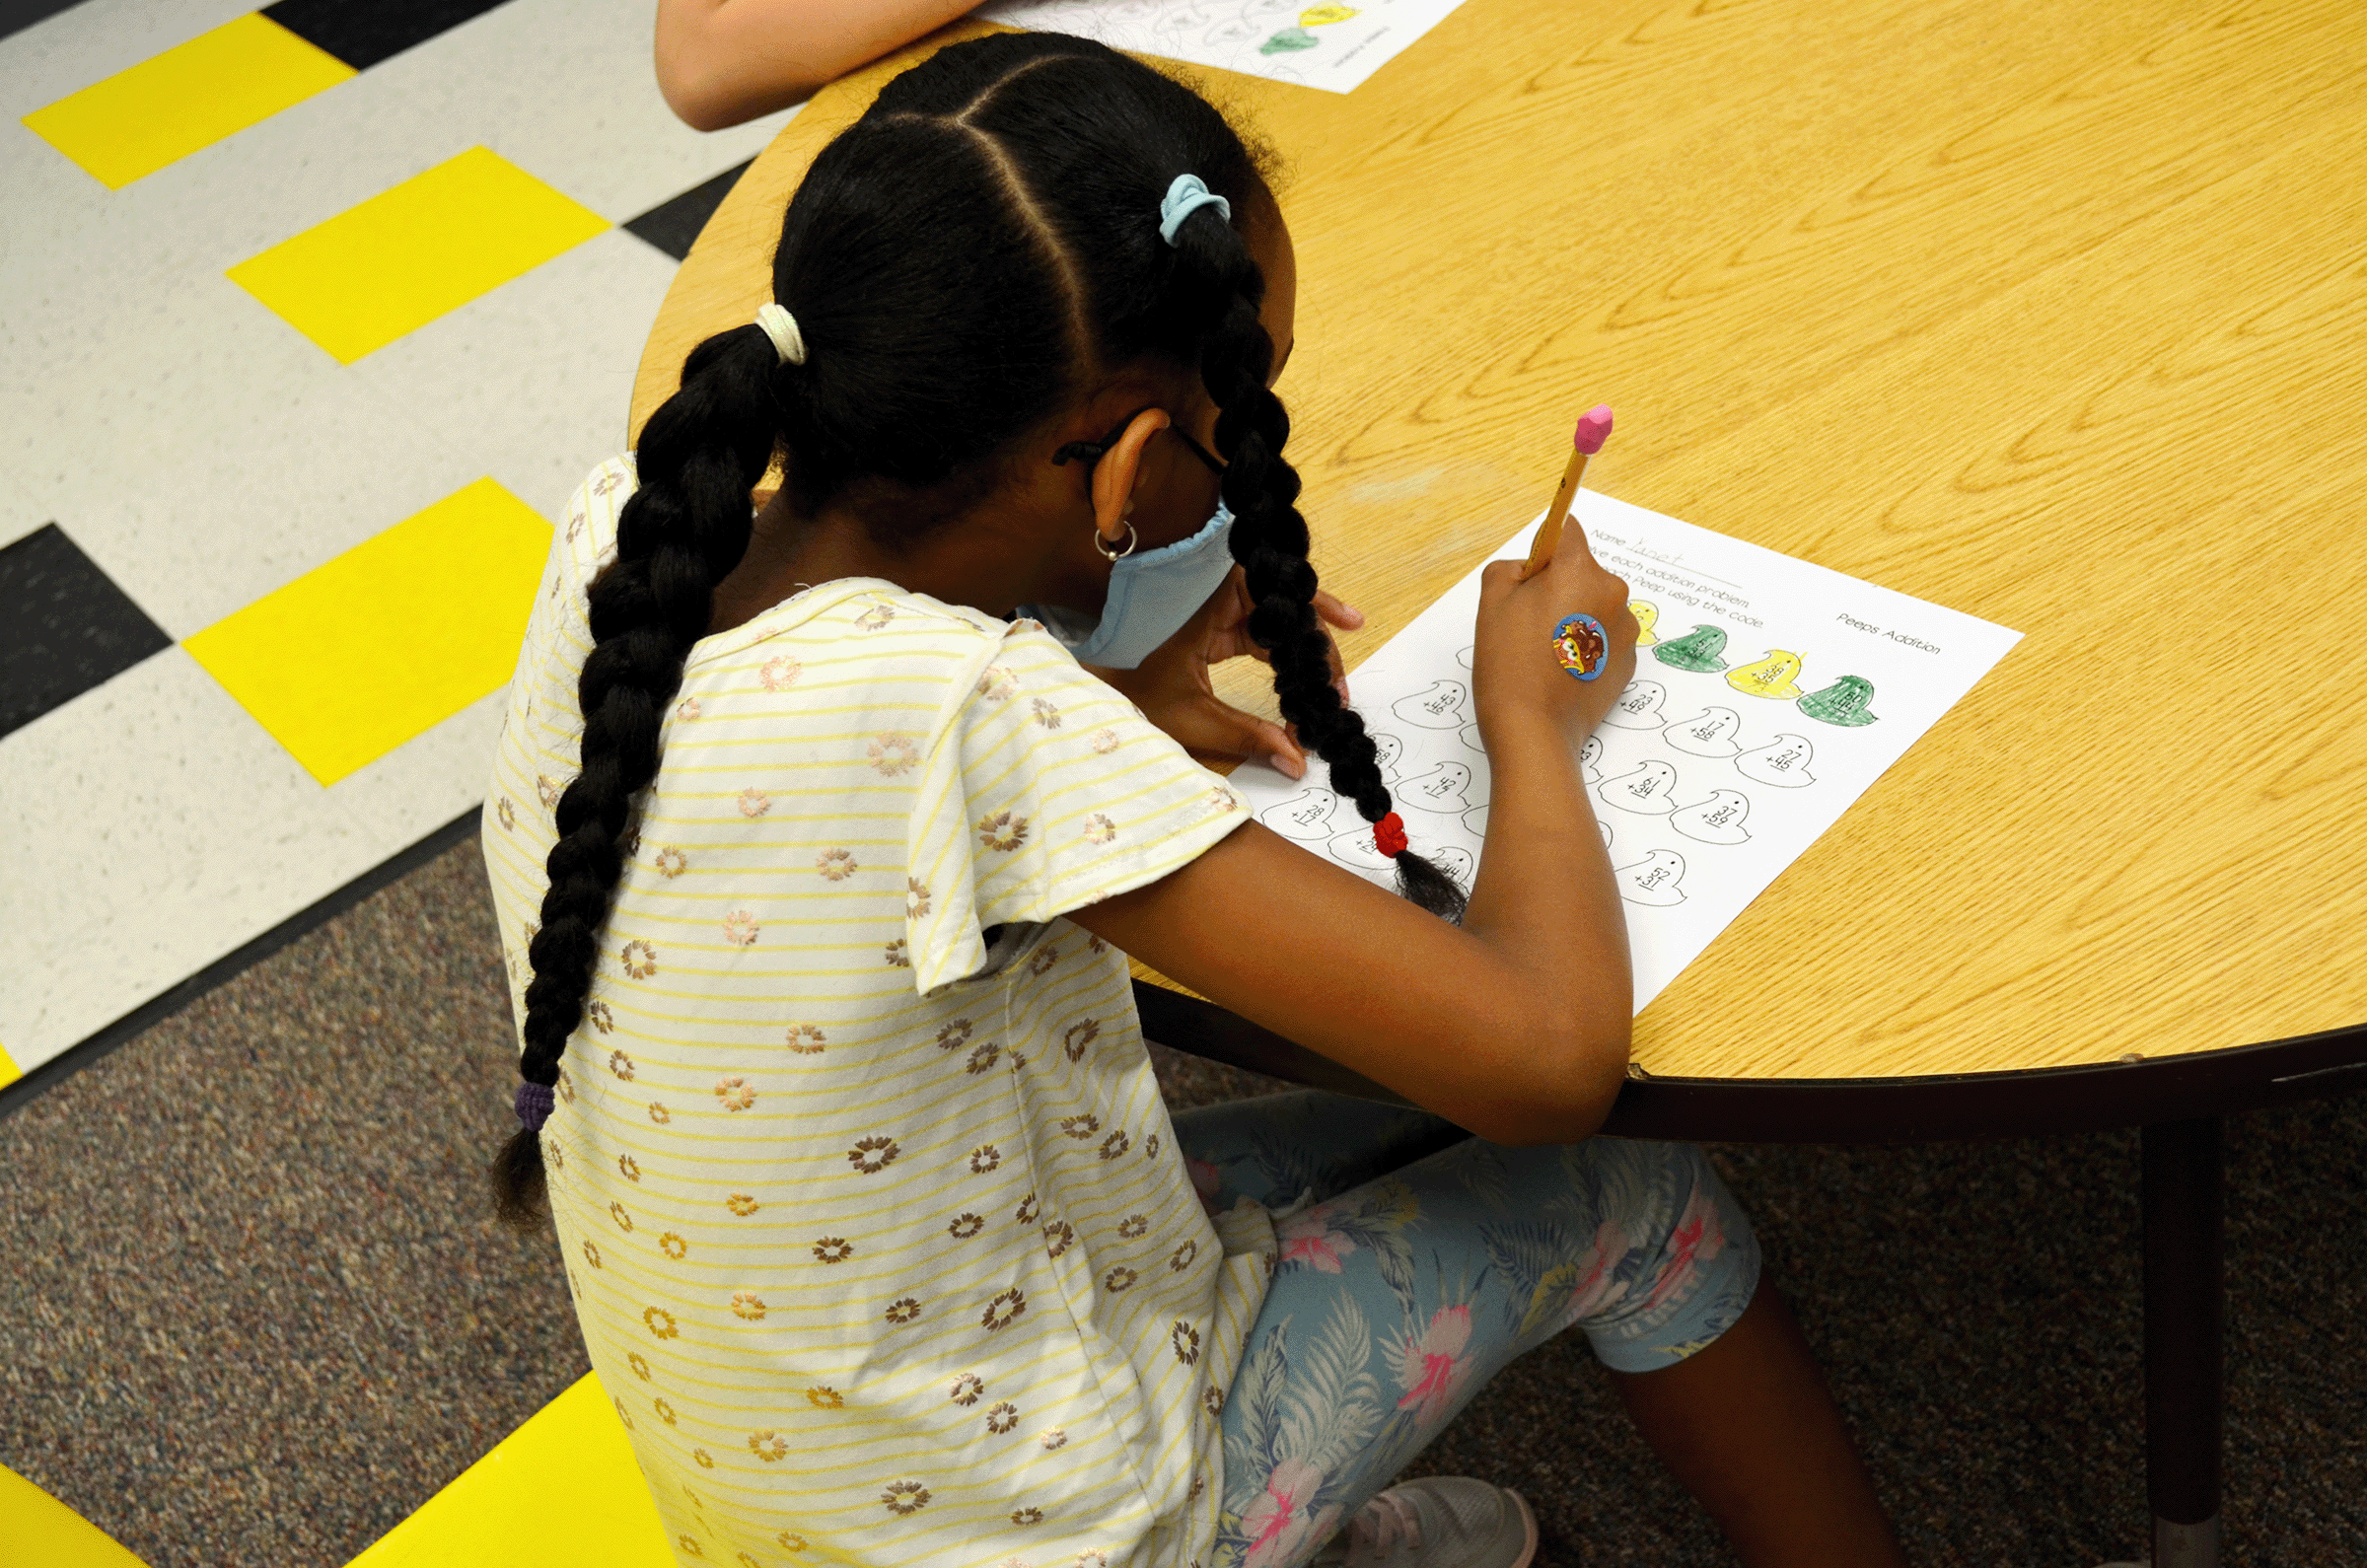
(1922, 1109)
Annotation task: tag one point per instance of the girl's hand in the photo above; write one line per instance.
(1172, 688)
(1514, 671)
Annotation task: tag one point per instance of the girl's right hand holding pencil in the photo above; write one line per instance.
(1514, 676)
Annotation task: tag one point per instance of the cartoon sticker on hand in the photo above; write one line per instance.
(1698, 650)
(1646, 790)
(1654, 880)
(1715, 820)
(1305, 816)
(1843, 702)
(1443, 789)
(1638, 707)
(1709, 733)
(1439, 708)
(1582, 647)
(1782, 762)
(1647, 616)
(1770, 677)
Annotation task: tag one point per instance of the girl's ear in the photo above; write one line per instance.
(1120, 471)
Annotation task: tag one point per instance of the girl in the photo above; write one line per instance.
(817, 860)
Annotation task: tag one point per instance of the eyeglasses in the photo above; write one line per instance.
(1092, 452)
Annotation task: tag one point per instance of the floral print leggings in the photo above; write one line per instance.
(1416, 1262)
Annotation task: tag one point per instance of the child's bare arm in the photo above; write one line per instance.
(1518, 1033)
(722, 62)
(1514, 1025)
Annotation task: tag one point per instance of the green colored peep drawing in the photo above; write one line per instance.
(1288, 40)
(1698, 650)
(1843, 702)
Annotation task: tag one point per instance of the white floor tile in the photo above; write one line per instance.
(425, 782)
(534, 379)
(17, 521)
(203, 451)
(95, 39)
(561, 87)
(566, 89)
(156, 828)
(204, 454)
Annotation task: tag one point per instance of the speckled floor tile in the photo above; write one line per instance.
(63, 54)
(237, 460)
(202, 453)
(533, 379)
(425, 782)
(563, 89)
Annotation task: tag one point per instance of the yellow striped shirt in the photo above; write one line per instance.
(880, 1239)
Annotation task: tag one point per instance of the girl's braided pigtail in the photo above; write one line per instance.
(682, 531)
(1269, 540)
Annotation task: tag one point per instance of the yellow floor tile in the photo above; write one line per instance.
(408, 255)
(191, 96)
(358, 655)
(36, 1528)
(562, 1491)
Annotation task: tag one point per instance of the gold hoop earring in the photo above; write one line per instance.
(1108, 554)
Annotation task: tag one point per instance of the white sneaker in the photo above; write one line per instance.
(1437, 1522)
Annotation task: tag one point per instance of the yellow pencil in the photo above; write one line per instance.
(1593, 431)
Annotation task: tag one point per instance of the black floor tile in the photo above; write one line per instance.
(18, 15)
(362, 33)
(64, 626)
(673, 225)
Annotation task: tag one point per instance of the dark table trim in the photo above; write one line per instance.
(1862, 1110)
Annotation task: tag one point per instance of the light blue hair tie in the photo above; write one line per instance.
(1188, 195)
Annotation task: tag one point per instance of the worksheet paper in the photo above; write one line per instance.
(1768, 695)
(1326, 45)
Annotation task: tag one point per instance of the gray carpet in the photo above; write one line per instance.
(254, 1313)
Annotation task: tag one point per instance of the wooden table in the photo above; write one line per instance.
(2049, 312)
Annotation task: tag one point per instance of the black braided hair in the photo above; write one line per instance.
(679, 533)
(1269, 540)
(961, 261)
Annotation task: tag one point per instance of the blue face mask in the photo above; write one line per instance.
(1152, 593)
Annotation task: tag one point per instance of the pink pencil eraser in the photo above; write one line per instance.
(1592, 430)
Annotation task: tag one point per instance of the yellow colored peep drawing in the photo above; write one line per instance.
(1771, 676)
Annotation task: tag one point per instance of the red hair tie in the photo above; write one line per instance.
(1389, 836)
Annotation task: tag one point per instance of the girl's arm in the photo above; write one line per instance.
(1515, 1025)
(722, 62)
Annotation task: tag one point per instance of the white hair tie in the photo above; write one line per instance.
(781, 328)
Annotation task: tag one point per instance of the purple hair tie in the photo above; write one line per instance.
(533, 1104)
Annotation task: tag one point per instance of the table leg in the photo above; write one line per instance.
(2184, 1319)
